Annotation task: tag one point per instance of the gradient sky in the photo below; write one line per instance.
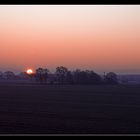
(98, 37)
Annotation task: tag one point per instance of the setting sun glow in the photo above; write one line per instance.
(29, 71)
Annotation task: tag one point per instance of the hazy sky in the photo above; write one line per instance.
(98, 37)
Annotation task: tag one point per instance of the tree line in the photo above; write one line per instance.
(63, 75)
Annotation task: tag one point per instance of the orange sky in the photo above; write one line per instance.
(98, 37)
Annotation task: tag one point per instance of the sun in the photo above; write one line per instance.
(29, 71)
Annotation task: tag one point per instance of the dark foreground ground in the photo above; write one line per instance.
(36, 109)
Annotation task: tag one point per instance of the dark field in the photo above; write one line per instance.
(36, 109)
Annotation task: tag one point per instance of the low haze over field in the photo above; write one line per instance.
(103, 38)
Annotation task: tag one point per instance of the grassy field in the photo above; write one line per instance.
(36, 109)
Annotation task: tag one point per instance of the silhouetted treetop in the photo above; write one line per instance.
(111, 78)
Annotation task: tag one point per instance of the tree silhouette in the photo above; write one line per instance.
(69, 78)
(23, 75)
(111, 78)
(39, 75)
(86, 77)
(9, 75)
(61, 73)
(76, 76)
(42, 75)
(46, 71)
(1, 75)
(83, 77)
(93, 78)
